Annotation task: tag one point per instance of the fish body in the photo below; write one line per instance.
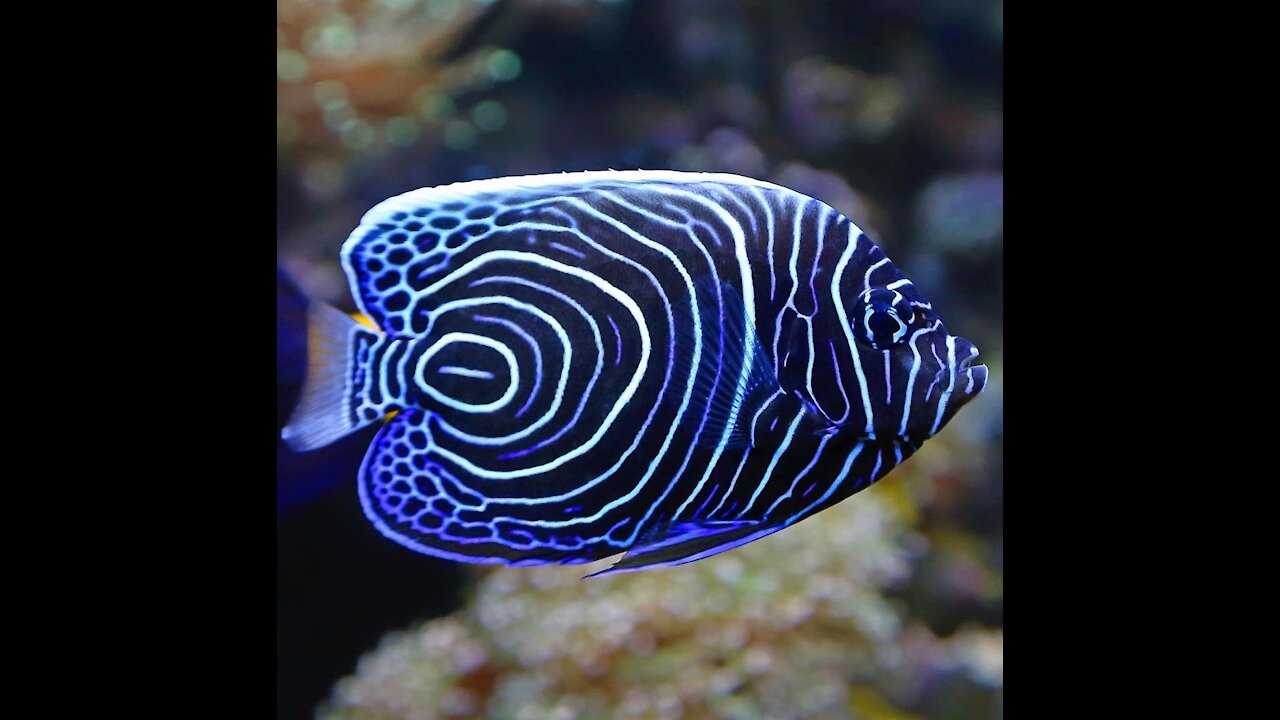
(576, 365)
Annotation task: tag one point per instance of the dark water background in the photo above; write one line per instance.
(890, 111)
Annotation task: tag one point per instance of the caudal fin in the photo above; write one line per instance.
(324, 410)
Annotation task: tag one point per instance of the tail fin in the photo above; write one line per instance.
(324, 412)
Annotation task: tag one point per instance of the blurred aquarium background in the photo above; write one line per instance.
(887, 606)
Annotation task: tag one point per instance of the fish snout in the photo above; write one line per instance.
(971, 379)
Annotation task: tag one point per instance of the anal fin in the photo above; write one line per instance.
(689, 541)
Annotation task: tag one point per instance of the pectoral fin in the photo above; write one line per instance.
(734, 379)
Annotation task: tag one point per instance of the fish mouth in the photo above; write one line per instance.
(969, 382)
(971, 379)
(976, 378)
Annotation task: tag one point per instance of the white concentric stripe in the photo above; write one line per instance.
(763, 406)
(866, 279)
(561, 384)
(936, 376)
(835, 363)
(402, 371)
(951, 386)
(533, 348)
(662, 452)
(641, 366)
(566, 249)
(824, 212)
(755, 226)
(777, 456)
(386, 371)
(688, 222)
(773, 276)
(466, 372)
(595, 333)
(911, 377)
(748, 298)
(822, 444)
(452, 337)
(796, 235)
(688, 281)
(624, 398)
(850, 247)
(808, 373)
(844, 472)
(700, 355)
(746, 283)
(871, 477)
(791, 296)
(372, 369)
(719, 450)
(740, 247)
(888, 379)
(516, 185)
(853, 456)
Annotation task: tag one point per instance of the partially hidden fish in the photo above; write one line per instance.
(663, 363)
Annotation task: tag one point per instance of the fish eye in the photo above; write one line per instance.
(884, 328)
(883, 318)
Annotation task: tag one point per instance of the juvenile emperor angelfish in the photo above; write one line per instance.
(668, 364)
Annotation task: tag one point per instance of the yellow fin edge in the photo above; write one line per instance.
(366, 321)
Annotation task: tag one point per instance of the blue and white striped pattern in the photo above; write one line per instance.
(667, 363)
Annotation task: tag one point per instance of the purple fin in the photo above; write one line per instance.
(688, 541)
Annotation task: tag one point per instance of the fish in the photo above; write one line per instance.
(664, 364)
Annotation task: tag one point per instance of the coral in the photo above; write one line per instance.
(360, 77)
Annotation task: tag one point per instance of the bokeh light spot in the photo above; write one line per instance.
(434, 106)
(490, 115)
(358, 135)
(336, 39)
(327, 91)
(459, 135)
(338, 113)
(291, 66)
(442, 9)
(504, 65)
(402, 131)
